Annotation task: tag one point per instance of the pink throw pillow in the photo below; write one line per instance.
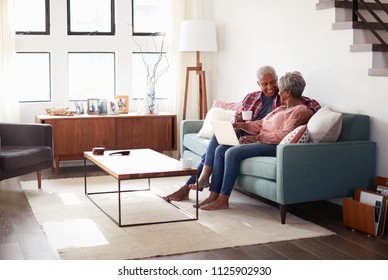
(227, 105)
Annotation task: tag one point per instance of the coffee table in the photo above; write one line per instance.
(139, 164)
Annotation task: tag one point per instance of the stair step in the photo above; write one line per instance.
(368, 48)
(383, 72)
(357, 25)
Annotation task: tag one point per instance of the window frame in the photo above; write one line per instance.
(93, 33)
(142, 33)
(93, 52)
(49, 78)
(47, 25)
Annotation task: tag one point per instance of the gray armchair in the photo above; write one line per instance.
(25, 148)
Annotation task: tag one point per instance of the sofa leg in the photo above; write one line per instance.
(283, 212)
(39, 177)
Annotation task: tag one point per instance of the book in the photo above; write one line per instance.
(382, 190)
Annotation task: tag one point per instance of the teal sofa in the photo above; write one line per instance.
(301, 172)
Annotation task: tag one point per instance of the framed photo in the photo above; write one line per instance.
(112, 107)
(102, 107)
(92, 106)
(122, 103)
(79, 107)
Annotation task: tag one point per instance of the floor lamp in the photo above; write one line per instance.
(197, 36)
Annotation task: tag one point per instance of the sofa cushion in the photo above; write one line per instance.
(15, 157)
(263, 167)
(325, 125)
(298, 135)
(214, 114)
(196, 144)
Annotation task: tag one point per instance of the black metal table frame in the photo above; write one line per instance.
(119, 191)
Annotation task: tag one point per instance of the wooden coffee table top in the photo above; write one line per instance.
(140, 163)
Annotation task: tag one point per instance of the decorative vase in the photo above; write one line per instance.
(149, 100)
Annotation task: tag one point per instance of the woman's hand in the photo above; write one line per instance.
(248, 139)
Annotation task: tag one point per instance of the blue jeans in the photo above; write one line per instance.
(208, 157)
(226, 167)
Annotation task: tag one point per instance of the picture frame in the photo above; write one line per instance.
(92, 106)
(122, 103)
(112, 107)
(79, 107)
(102, 107)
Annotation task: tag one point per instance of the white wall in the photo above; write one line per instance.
(293, 35)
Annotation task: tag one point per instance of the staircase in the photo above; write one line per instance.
(369, 22)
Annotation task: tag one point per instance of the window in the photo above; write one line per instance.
(150, 16)
(90, 17)
(32, 17)
(91, 75)
(33, 72)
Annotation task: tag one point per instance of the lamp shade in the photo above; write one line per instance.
(198, 35)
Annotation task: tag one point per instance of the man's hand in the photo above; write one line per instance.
(240, 125)
(248, 139)
(238, 117)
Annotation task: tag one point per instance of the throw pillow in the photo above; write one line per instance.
(227, 105)
(325, 125)
(298, 135)
(214, 114)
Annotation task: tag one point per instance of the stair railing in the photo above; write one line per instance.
(356, 16)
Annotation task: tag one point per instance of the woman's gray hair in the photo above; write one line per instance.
(293, 82)
(266, 70)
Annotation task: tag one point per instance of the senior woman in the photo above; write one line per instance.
(269, 132)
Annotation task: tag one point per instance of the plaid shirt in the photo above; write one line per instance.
(254, 102)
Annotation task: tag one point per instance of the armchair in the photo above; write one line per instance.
(25, 148)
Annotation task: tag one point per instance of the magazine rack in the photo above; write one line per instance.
(360, 216)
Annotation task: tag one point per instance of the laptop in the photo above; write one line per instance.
(225, 133)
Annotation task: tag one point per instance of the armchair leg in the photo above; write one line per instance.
(283, 212)
(39, 177)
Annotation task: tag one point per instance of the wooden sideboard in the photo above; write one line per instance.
(72, 135)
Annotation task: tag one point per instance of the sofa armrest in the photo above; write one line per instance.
(188, 126)
(17, 134)
(321, 171)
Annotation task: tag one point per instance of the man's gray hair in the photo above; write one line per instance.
(266, 70)
(293, 82)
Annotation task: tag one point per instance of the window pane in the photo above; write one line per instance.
(150, 16)
(33, 70)
(88, 16)
(139, 74)
(91, 75)
(30, 16)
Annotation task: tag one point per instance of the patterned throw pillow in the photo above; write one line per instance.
(298, 135)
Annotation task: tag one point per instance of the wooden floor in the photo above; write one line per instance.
(22, 238)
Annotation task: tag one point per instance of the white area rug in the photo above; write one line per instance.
(79, 230)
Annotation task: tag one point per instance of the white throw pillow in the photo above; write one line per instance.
(298, 135)
(325, 125)
(214, 114)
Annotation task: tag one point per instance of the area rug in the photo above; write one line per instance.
(78, 229)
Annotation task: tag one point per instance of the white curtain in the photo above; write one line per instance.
(9, 104)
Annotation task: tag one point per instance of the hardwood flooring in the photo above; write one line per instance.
(21, 237)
